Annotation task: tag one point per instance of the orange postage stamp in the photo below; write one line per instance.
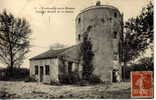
(141, 84)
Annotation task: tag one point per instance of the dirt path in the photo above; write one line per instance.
(37, 90)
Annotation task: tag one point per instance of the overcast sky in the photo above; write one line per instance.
(49, 29)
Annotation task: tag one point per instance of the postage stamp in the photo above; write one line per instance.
(141, 84)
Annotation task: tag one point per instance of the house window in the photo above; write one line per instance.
(70, 67)
(36, 69)
(79, 37)
(115, 14)
(115, 35)
(47, 69)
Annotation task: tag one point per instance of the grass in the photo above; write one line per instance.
(33, 90)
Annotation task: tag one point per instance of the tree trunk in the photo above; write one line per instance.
(11, 59)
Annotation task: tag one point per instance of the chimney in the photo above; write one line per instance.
(98, 3)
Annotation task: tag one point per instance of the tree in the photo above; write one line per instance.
(14, 40)
(138, 34)
(87, 57)
(148, 63)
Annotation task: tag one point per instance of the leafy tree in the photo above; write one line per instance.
(87, 57)
(147, 62)
(138, 35)
(14, 40)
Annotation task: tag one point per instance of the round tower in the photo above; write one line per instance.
(103, 26)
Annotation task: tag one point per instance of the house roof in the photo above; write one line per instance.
(66, 52)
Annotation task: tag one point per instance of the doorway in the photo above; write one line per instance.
(115, 75)
(41, 73)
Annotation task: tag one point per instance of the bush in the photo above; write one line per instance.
(30, 79)
(71, 78)
(63, 78)
(138, 67)
(94, 79)
(17, 74)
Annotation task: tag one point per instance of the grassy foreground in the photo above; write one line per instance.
(21, 89)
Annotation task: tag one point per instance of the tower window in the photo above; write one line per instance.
(79, 37)
(110, 19)
(89, 28)
(115, 35)
(102, 20)
(79, 20)
(115, 14)
(47, 69)
(85, 36)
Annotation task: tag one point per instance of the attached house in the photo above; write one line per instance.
(56, 65)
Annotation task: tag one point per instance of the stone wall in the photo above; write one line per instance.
(101, 24)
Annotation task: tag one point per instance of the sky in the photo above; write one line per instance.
(52, 28)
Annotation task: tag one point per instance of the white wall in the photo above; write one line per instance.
(53, 64)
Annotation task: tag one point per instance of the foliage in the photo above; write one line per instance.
(14, 39)
(139, 33)
(147, 62)
(19, 74)
(87, 56)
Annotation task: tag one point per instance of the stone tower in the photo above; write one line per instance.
(103, 26)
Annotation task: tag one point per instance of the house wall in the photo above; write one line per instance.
(58, 70)
(53, 74)
(69, 75)
(100, 23)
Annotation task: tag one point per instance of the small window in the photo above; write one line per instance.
(79, 20)
(89, 28)
(102, 20)
(79, 37)
(47, 69)
(36, 69)
(115, 35)
(115, 14)
(110, 19)
(85, 36)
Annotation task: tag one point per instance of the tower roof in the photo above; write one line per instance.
(98, 6)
